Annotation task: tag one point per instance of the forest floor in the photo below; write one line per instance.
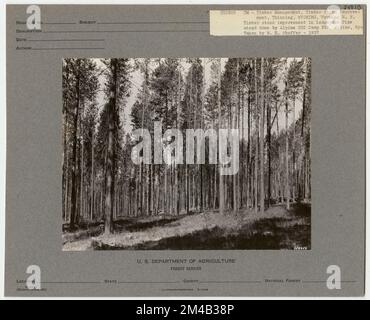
(277, 228)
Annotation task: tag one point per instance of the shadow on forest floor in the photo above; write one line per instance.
(290, 232)
(277, 228)
(85, 231)
(134, 226)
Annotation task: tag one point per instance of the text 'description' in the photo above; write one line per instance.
(330, 21)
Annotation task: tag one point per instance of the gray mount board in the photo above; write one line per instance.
(34, 156)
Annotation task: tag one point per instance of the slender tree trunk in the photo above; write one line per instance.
(257, 139)
(92, 176)
(112, 107)
(269, 151)
(201, 126)
(195, 167)
(294, 185)
(287, 154)
(221, 190)
(165, 190)
(108, 192)
(65, 156)
(278, 154)
(243, 174)
(249, 166)
(262, 138)
(66, 198)
(74, 157)
(187, 188)
(82, 161)
(177, 173)
(235, 120)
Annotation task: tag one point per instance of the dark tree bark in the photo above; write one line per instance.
(109, 192)
(72, 222)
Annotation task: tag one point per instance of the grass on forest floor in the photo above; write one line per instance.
(275, 229)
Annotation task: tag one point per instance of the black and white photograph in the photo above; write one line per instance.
(186, 153)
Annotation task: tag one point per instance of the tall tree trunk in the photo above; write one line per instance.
(201, 126)
(67, 188)
(287, 154)
(257, 139)
(303, 111)
(294, 185)
(74, 157)
(82, 161)
(278, 154)
(249, 165)
(177, 173)
(108, 228)
(92, 182)
(64, 165)
(262, 138)
(303, 143)
(195, 167)
(221, 189)
(235, 126)
(243, 174)
(269, 151)
(165, 196)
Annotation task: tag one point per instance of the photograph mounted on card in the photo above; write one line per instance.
(209, 150)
